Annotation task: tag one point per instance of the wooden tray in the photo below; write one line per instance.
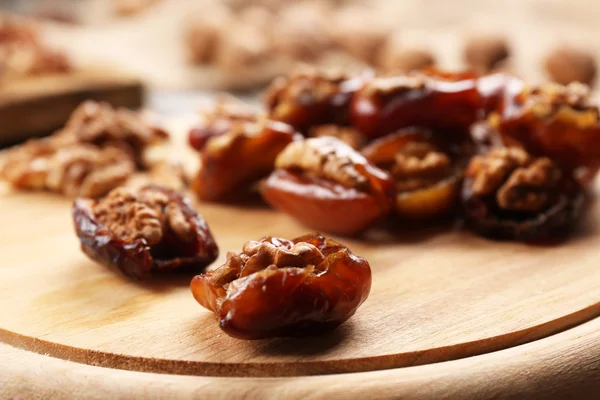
(39, 105)
(438, 294)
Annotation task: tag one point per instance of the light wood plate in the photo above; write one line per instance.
(437, 294)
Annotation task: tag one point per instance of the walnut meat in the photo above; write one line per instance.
(426, 177)
(95, 152)
(346, 134)
(566, 64)
(509, 194)
(280, 287)
(219, 119)
(101, 125)
(328, 186)
(325, 158)
(72, 170)
(144, 231)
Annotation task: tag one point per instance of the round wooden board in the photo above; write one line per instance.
(437, 295)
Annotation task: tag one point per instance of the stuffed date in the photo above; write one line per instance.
(279, 287)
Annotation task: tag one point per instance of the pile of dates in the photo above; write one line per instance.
(340, 153)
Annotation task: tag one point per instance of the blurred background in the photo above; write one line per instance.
(184, 50)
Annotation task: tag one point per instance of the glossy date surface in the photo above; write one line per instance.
(279, 287)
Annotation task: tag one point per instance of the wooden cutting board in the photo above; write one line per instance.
(41, 104)
(438, 294)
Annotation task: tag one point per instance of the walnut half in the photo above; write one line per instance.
(142, 231)
(328, 186)
(73, 170)
(426, 177)
(325, 157)
(102, 125)
(510, 194)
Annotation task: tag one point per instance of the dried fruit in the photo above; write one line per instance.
(309, 98)
(144, 231)
(328, 186)
(244, 154)
(219, 120)
(426, 177)
(552, 120)
(509, 194)
(279, 287)
(387, 104)
(567, 64)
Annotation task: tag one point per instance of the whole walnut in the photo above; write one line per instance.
(566, 64)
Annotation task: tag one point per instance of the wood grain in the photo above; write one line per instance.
(39, 105)
(438, 294)
(562, 366)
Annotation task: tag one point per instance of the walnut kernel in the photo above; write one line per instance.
(324, 157)
(516, 180)
(346, 134)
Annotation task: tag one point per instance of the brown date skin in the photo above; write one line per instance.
(199, 135)
(555, 223)
(217, 126)
(289, 301)
(134, 257)
(326, 205)
(247, 160)
(565, 142)
(445, 103)
(305, 111)
(423, 203)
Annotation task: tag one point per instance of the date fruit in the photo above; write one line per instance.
(233, 160)
(279, 287)
(327, 185)
(144, 231)
(554, 121)
(309, 98)
(509, 194)
(426, 177)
